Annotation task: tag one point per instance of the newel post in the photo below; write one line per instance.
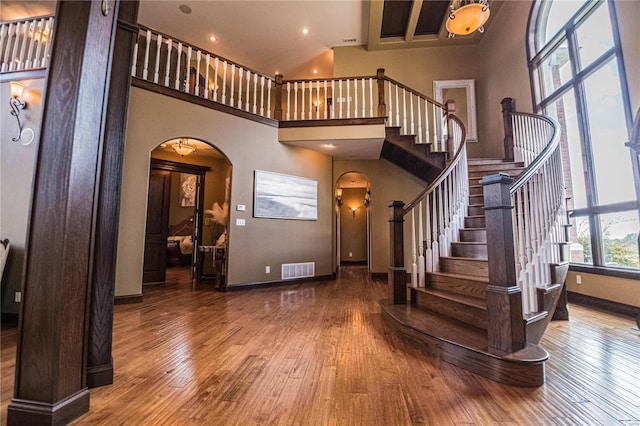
(382, 106)
(508, 106)
(397, 281)
(506, 328)
(277, 112)
(450, 106)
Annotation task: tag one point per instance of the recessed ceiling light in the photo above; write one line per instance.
(305, 30)
(315, 71)
(212, 38)
(184, 9)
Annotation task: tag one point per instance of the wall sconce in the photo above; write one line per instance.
(339, 196)
(367, 199)
(183, 148)
(17, 103)
(353, 210)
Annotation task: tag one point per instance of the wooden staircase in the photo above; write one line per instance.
(449, 314)
(417, 158)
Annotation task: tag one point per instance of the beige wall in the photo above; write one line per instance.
(621, 290)
(628, 13)
(249, 146)
(388, 183)
(17, 163)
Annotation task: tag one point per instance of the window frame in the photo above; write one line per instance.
(538, 50)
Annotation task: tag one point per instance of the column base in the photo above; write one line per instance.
(26, 412)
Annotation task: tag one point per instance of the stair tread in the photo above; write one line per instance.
(462, 276)
(454, 258)
(475, 216)
(473, 229)
(470, 243)
(472, 301)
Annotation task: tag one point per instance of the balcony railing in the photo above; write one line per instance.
(24, 44)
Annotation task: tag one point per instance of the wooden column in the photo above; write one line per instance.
(508, 106)
(99, 360)
(397, 280)
(451, 109)
(506, 327)
(277, 113)
(50, 383)
(382, 106)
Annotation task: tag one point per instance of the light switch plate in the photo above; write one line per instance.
(240, 207)
(239, 222)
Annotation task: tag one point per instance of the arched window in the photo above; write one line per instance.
(577, 76)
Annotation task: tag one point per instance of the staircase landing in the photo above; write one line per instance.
(466, 346)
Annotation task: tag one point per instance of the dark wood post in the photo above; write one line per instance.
(397, 273)
(99, 359)
(450, 105)
(50, 376)
(277, 112)
(506, 327)
(382, 106)
(508, 106)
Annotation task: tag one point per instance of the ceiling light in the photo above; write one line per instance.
(183, 148)
(305, 30)
(184, 9)
(315, 71)
(212, 38)
(467, 16)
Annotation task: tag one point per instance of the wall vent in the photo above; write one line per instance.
(292, 271)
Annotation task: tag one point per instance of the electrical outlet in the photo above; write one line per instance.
(18, 297)
(267, 269)
(578, 279)
(350, 254)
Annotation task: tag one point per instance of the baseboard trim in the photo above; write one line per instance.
(353, 262)
(379, 276)
(127, 300)
(100, 375)
(281, 283)
(606, 305)
(27, 412)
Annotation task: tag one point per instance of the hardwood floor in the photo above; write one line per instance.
(318, 354)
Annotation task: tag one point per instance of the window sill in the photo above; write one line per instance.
(631, 274)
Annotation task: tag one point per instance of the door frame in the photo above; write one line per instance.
(200, 171)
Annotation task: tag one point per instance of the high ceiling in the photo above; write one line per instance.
(267, 35)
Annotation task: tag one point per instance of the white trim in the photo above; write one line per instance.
(469, 86)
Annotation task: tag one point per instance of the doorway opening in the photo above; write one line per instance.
(187, 214)
(353, 220)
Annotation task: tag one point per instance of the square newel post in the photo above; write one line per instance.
(450, 106)
(397, 273)
(277, 112)
(506, 328)
(382, 106)
(508, 106)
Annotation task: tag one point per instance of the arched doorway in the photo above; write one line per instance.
(187, 212)
(353, 219)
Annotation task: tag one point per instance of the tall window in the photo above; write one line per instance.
(577, 75)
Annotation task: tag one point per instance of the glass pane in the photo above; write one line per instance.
(620, 239)
(607, 125)
(564, 111)
(559, 14)
(580, 238)
(595, 36)
(556, 70)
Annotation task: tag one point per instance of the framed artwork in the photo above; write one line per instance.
(188, 187)
(279, 196)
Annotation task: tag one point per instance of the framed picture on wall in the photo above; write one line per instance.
(188, 186)
(279, 196)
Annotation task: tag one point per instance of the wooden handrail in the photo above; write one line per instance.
(307, 80)
(415, 92)
(13, 21)
(544, 155)
(443, 175)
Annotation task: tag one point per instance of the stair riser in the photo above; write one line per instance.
(457, 285)
(461, 312)
(473, 235)
(475, 190)
(495, 167)
(475, 210)
(475, 251)
(478, 268)
(481, 174)
(474, 222)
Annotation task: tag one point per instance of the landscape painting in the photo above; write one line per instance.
(281, 196)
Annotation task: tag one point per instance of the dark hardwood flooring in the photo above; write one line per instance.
(319, 354)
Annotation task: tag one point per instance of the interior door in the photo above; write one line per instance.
(155, 245)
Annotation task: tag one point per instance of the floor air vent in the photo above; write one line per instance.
(292, 271)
